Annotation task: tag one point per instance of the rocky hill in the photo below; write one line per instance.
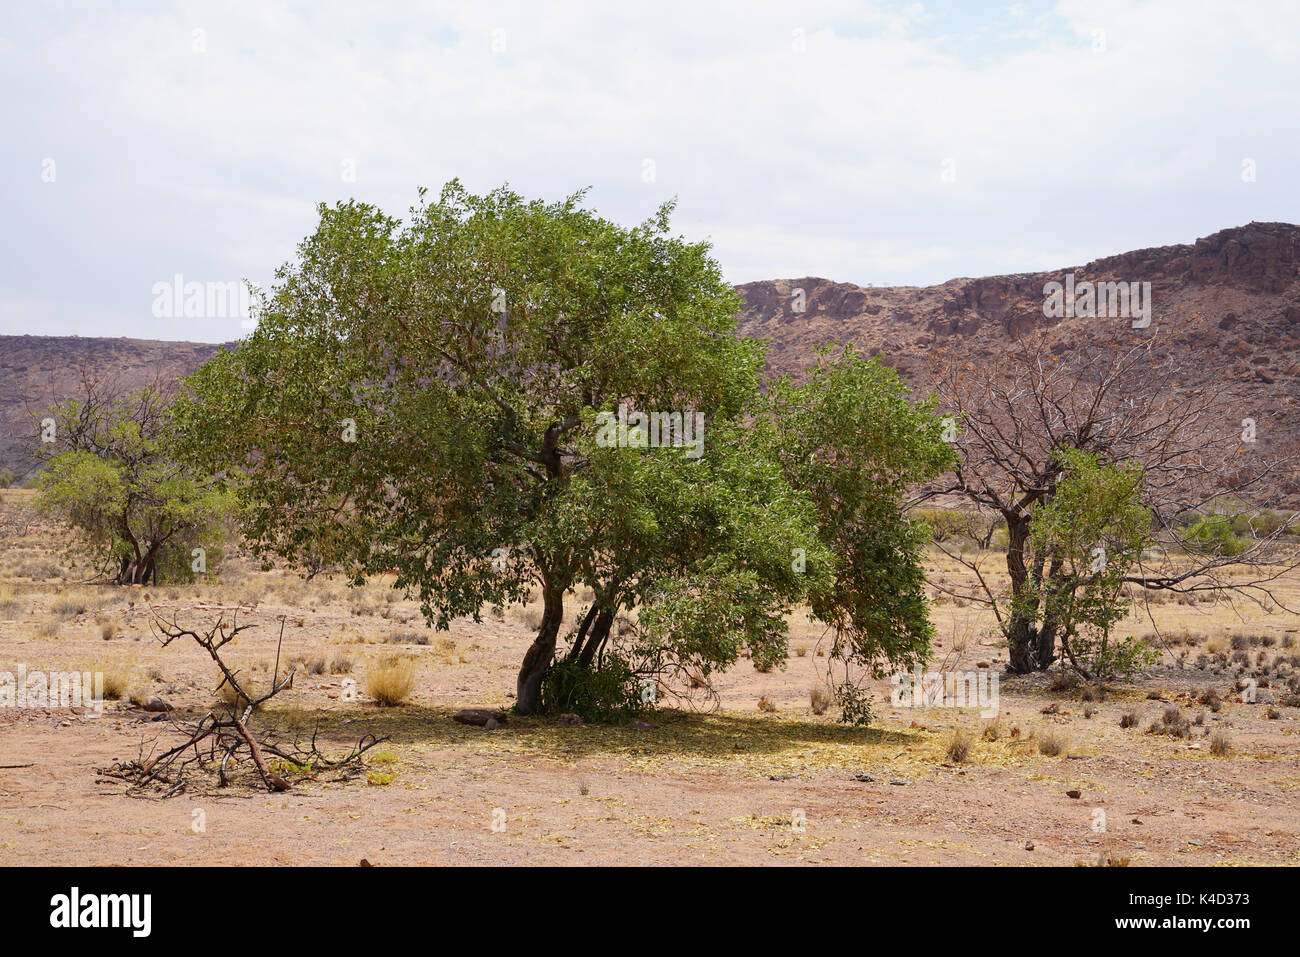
(1226, 308)
(33, 369)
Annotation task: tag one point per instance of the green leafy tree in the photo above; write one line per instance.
(110, 474)
(1087, 539)
(454, 398)
(852, 440)
(1215, 534)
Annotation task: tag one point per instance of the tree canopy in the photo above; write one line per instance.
(496, 396)
(112, 476)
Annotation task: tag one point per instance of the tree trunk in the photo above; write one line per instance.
(528, 688)
(1022, 636)
(131, 572)
(596, 640)
(582, 633)
(1045, 653)
(142, 572)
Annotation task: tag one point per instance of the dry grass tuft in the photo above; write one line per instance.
(118, 678)
(1052, 744)
(820, 699)
(66, 608)
(390, 680)
(227, 695)
(957, 747)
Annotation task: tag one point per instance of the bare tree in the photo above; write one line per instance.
(1119, 399)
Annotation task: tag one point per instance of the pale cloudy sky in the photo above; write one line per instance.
(885, 143)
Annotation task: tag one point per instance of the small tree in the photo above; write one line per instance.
(111, 476)
(850, 438)
(1116, 396)
(1091, 534)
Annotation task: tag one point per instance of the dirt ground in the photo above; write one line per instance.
(738, 785)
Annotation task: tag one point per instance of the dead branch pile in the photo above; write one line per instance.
(219, 747)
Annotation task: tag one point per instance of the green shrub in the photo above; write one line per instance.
(1214, 533)
(1106, 658)
(611, 695)
(944, 523)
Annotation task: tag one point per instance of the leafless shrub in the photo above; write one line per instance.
(221, 744)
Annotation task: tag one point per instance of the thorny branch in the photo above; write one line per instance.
(221, 740)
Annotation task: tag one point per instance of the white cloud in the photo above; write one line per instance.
(824, 162)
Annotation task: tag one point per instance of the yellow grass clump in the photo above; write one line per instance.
(390, 681)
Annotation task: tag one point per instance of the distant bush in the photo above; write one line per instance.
(1214, 533)
(944, 523)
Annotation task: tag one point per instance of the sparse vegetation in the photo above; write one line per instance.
(1052, 744)
(118, 678)
(390, 680)
(957, 747)
(820, 698)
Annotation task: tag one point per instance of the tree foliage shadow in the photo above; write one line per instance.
(677, 733)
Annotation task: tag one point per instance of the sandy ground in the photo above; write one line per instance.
(735, 786)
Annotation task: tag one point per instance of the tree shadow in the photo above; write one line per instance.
(675, 733)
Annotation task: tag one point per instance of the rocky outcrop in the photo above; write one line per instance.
(1227, 307)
